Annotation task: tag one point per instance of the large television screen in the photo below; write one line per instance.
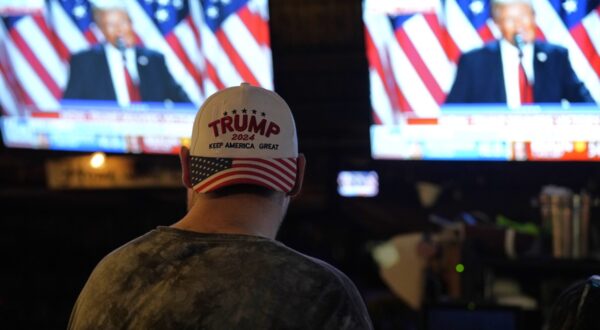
(484, 79)
(122, 75)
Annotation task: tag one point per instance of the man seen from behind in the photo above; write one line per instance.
(220, 267)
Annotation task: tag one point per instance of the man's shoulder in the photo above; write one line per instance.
(143, 51)
(131, 250)
(329, 293)
(260, 253)
(486, 54)
(305, 266)
(333, 272)
(94, 51)
(312, 264)
(490, 48)
(549, 48)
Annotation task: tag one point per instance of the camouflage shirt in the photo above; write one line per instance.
(175, 279)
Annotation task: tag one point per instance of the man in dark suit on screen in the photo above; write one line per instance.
(118, 70)
(516, 69)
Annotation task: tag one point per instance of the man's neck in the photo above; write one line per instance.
(235, 214)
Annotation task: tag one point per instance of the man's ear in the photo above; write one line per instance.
(300, 167)
(184, 159)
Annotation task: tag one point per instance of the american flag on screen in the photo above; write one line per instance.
(208, 45)
(413, 49)
(209, 174)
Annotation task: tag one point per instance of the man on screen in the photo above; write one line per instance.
(118, 70)
(516, 69)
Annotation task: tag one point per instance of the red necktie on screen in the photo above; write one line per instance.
(525, 88)
(132, 88)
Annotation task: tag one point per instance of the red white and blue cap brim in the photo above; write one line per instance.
(208, 173)
(244, 135)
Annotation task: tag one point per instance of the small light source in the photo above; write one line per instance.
(98, 159)
(460, 268)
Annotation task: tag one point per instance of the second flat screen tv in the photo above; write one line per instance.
(469, 80)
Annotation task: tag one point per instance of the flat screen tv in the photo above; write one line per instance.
(448, 83)
(73, 77)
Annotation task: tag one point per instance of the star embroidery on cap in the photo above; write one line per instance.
(225, 113)
(263, 114)
(244, 110)
(234, 112)
(253, 112)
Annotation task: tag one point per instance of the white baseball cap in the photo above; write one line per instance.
(244, 135)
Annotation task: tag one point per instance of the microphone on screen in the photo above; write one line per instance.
(519, 42)
(120, 44)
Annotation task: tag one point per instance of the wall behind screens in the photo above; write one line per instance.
(206, 46)
(414, 49)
